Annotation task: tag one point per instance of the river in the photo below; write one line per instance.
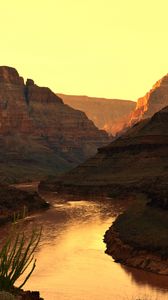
(71, 259)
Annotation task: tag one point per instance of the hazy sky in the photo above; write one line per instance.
(110, 48)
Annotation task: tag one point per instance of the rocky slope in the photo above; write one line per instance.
(107, 114)
(39, 134)
(152, 102)
(136, 160)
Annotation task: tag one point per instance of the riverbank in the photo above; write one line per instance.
(138, 238)
(71, 262)
(14, 200)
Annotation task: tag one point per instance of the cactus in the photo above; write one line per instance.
(16, 255)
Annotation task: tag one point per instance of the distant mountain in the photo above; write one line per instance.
(107, 114)
(39, 134)
(136, 160)
(153, 101)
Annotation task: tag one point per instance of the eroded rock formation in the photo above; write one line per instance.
(39, 134)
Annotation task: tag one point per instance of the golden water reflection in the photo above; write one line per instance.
(71, 263)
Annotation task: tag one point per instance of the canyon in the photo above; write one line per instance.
(108, 114)
(40, 135)
(137, 160)
(134, 164)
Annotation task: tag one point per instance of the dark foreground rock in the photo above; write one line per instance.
(20, 295)
(138, 237)
(27, 295)
(138, 258)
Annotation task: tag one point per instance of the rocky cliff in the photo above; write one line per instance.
(153, 101)
(107, 114)
(39, 134)
(136, 160)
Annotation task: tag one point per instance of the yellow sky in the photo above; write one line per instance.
(109, 48)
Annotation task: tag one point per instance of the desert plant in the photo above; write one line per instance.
(16, 255)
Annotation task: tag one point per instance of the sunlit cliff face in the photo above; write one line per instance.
(153, 101)
(107, 114)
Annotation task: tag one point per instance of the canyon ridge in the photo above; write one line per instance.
(152, 102)
(107, 114)
(40, 135)
(135, 160)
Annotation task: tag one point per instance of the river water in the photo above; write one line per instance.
(71, 259)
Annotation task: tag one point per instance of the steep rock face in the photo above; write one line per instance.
(138, 160)
(38, 94)
(13, 107)
(66, 129)
(107, 114)
(9, 76)
(153, 101)
(39, 134)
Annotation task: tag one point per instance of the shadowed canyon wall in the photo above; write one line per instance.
(39, 134)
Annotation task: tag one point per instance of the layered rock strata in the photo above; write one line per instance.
(39, 134)
(152, 102)
(136, 161)
(107, 114)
